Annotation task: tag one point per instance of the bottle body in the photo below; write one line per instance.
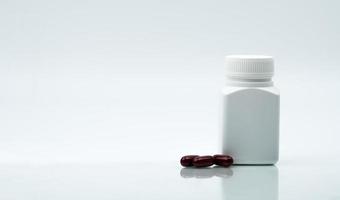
(250, 124)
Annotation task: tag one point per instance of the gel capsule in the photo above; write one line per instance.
(223, 160)
(186, 161)
(203, 161)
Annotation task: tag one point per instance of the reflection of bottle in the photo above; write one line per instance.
(250, 111)
(251, 182)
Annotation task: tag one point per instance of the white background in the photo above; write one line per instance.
(97, 81)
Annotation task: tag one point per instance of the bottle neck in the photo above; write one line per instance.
(243, 82)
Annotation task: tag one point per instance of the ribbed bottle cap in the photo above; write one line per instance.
(249, 67)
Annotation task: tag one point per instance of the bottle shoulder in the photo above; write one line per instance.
(232, 89)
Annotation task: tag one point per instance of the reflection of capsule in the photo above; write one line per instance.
(203, 173)
(187, 172)
(221, 172)
(251, 182)
(196, 173)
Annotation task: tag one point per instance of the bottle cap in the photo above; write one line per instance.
(249, 67)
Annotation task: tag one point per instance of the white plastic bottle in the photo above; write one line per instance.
(250, 130)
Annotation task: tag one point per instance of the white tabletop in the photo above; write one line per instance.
(168, 180)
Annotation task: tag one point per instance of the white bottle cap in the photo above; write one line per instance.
(249, 67)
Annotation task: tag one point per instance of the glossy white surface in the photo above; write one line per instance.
(169, 181)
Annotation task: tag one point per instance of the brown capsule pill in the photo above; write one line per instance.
(203, 161)
(186, 161)
(223, 160)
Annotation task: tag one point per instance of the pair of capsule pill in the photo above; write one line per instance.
(206, 161)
